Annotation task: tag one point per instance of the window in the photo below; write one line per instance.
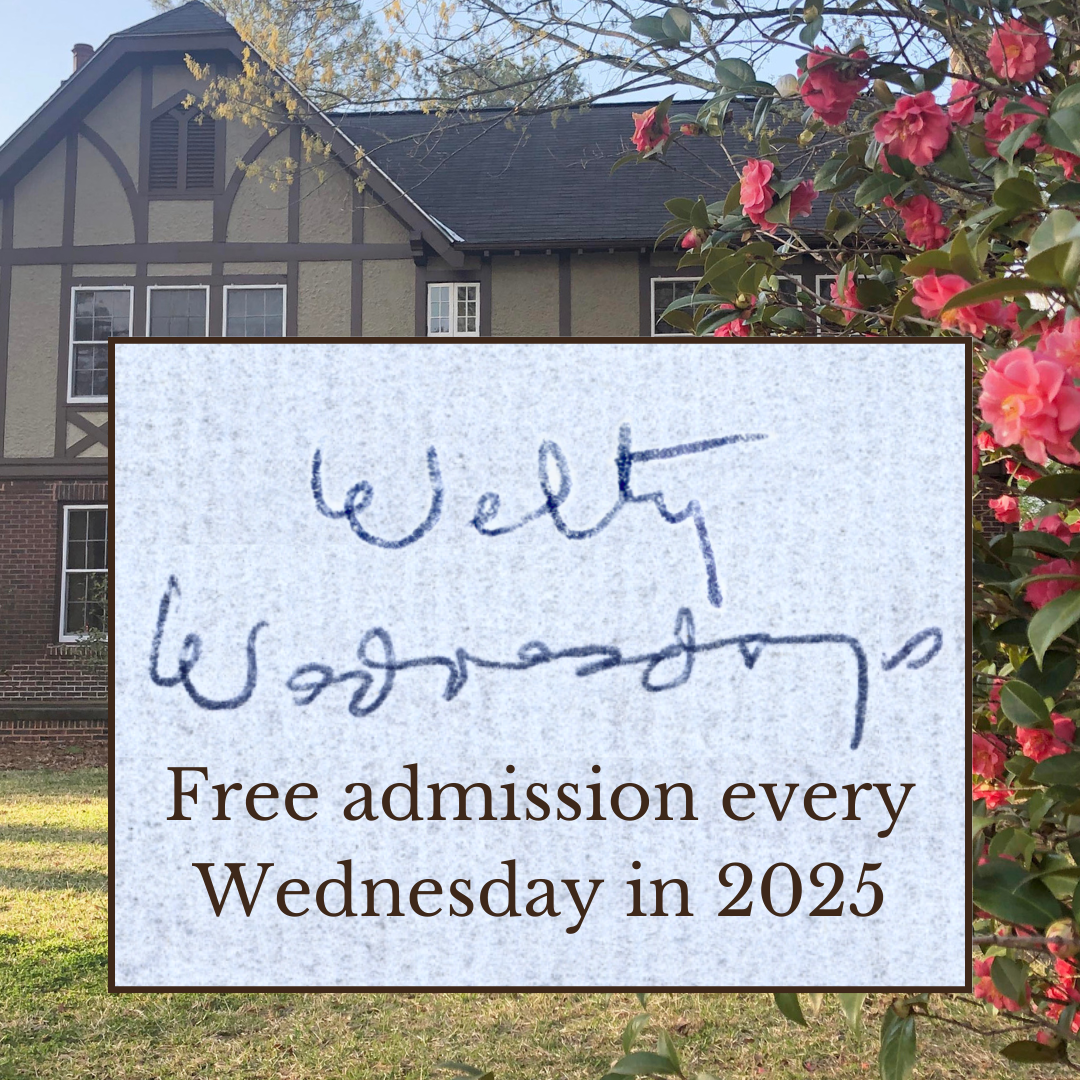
(182, 151)
(96, 316)
(664, 292)
(177, 311)
(453, 309)
(85, 571)
(823, 284)
(254, 311)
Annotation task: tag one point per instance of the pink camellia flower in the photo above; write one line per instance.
(1039, 593)
(985, 988)
(802, 199)
(922, 222)
(961, 107)
(1032, 402)
(691, 129)
(994, 795)
(690, 239)
(933, 292)
(735, 328)
(1052, 525)
(1005, 509)
(849, 301)
(987, 756)
(1020, 472)
(998, 125)
(915, 129)
(1067, 161)
(833, 81)
(1018, 50)
(648, 133)
(986, 441)
(1063, 345)
(755, 195)
(1039, 744)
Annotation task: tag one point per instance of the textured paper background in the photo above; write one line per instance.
(850, 518)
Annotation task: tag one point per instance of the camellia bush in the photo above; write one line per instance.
(952, 189)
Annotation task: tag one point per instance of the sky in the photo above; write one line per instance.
(35, 47)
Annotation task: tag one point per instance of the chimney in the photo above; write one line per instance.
(81, 53)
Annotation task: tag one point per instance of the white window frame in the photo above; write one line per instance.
(130, 290)
(64, 637)
(675, 331)
(453, 286)
(826, 295)
(236, 288)
(190, 288)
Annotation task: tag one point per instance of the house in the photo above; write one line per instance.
(123, 213)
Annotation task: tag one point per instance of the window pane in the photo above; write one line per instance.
(439, 309)
(85, 573)
(665, 293)
(90, 375)
(254, 312)
(177, 312)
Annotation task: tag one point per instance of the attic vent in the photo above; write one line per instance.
(183, 152)
(164, 152)
(200, 153)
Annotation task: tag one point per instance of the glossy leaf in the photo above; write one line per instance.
(1024, 705)
(665, 1047)
(896, 1058)
(789, 1005)
(642, 1063)
(632, 1030)
(852, 1005)
(734, 74)
(676, 24)
(1006, 890)
(1051, 621)
(1060, 769)
(1032, 1052)
(1010, 977)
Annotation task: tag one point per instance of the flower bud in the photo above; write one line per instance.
(883, 93)
(805, 137)
(787, 86)
(1062, 939)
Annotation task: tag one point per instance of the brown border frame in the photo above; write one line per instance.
(689, 342)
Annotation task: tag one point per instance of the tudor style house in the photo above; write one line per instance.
(123, 213)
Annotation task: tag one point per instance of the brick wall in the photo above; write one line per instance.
(34, 668)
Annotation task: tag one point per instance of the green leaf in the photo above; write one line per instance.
(1022, 1050)
(680, 208)
(633, 1030)
(1051, 621)
(811, 30)
(643, 999)
(788, 319)
(676, 24)
(1059, 486)
(665, 1047)
(1024, 705)
(992, 290)
(1062, 130)
(780, 211)
(789, 1005)
(1068, 97)
(1006, 890)
(852, 1005)
(1057, 672)
(1011, 143)
(651, 26)
(642, 1063)
(962, 258)
(734, 74)
(1060, 769)
(896, 1058)
(1017, 193)
(954, 160)
(876, 186)
(1067, 194)
(625, 159)
(1054, 250)
(1010, 977)
(937, 259)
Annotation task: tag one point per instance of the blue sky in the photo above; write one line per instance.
(35, 47)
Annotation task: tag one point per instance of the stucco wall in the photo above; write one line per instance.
(389, 290)
(180, 220)
(178, 270)
(238, 139)
(36, 303)
(324, 299)
(326, 205)
(525, 296)
(258, 212)
(380, 226)
(116, 120)
(170, 79)
(604, 295)
(239, 268)
(91, 270)
(39, 202)
(102, 211)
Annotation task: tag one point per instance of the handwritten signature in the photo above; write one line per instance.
(308, 681)
(358, 498)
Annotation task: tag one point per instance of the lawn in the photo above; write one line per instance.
(58, 1021)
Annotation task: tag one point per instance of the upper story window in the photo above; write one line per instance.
(254, 311)
(177, 311)
(183, 144)
(96, 316)
(453, 309)
(666, 291)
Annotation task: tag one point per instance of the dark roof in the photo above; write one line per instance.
(541, 182)
(190, 18)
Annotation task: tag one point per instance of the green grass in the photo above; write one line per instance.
(58, 1021)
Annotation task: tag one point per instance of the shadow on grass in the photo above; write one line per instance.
(39, 967)
(52, 834)
(13, 877)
